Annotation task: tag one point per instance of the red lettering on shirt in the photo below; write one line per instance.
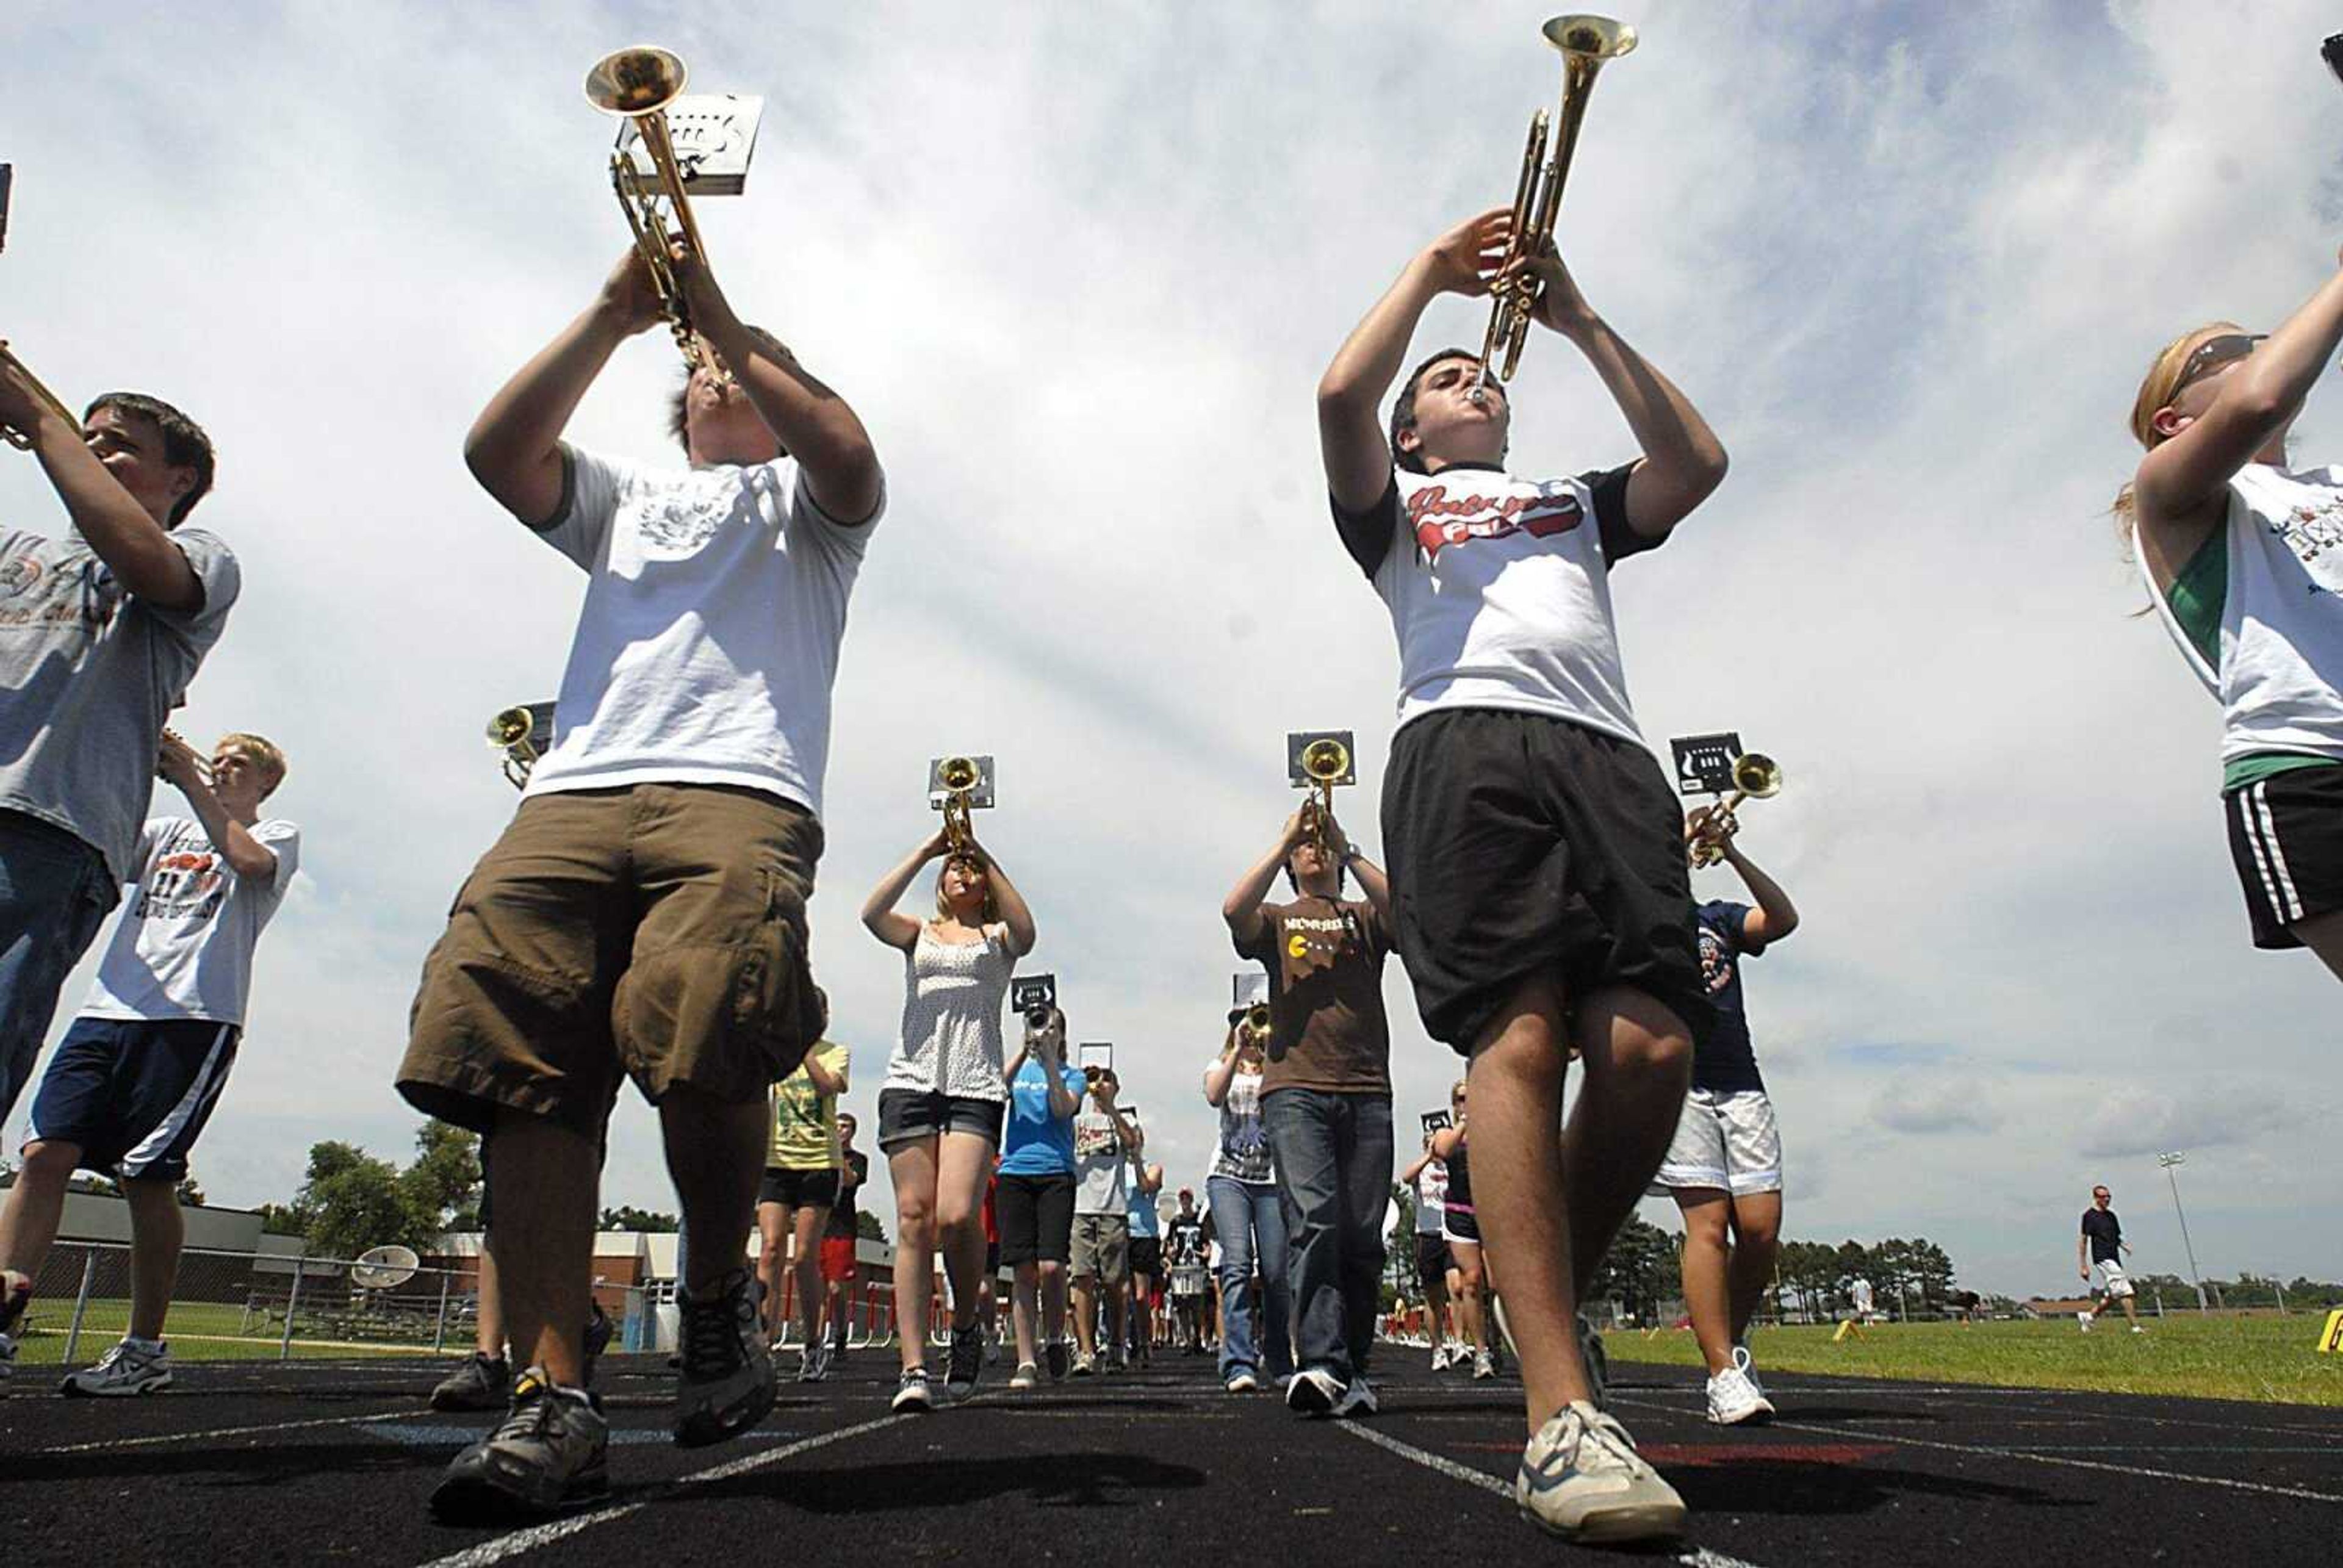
(1439, 520)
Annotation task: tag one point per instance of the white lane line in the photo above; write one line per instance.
(1991, 1452)
(537, 1535)
(1697, 1557)
(1956, 1393)
(221, 1431)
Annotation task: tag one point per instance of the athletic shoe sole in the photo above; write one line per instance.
(1304, 1395)
(470, 1499)
(73, 1390)
(702, 1428)
(1613, 1526)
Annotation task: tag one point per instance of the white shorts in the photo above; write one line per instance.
(2112, 1279)
(1725, 1141)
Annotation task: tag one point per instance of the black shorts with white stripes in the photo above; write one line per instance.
(2286, 835)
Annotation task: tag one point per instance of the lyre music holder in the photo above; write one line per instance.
(1704, 763)
(714, 135)
(980, 794)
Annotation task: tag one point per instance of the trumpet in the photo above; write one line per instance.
(23, 439)
(1256, 1018)
(1756, 777)
(1587, 43)
(636, 84)
(959, 776)
(1325, 761)
(514, 732)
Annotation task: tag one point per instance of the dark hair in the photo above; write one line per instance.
(1342, 875)
(185, 444)
(679, 405)
(1402, 415)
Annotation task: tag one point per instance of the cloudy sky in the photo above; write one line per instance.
(1079, 268)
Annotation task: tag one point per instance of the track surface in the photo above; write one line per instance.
(316, 1461)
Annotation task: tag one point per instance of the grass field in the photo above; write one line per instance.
(197, 1331)
(2271, 1360)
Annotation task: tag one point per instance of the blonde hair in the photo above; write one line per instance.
(2156, 390)
(265, 755)
(991, 900)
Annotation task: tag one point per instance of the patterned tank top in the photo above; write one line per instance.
(953, 994)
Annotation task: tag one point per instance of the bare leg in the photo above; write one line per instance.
(1707, 1260)
(1053, 1300)
(1025, 1310)
(36, 1205)
(1757, 1236)
(1638, 1059)
(2323, 935)
(913, 1168)
(1086, 1315)
(807, 1269)
(1471, 1317)
(545, 1179)
(489, 1330)
(962, 1163)
(158, 1234)
(773, 1226)
(715, 1150)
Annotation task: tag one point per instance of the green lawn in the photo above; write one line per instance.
(2271, 1360)
(207, 1331)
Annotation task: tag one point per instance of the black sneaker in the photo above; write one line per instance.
(550, 1453)
(728, 1384)
(15, 1292)
(967, 1363)
(1058, 1359)
(913, 1393)
(482, 1382)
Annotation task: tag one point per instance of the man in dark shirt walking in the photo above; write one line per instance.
(2101, 1246)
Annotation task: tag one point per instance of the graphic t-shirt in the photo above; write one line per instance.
(1034, 1143)
(2106, 1232)
(88, 672)
(1101, 1166)
(1723, 1061)
(1183, 1241)
(1430, 1197)
(184, 945)
(1325, 963)
(1243, 1153)
(705, 652)
(805, 1120)
(842, 1213)
(1499, 591)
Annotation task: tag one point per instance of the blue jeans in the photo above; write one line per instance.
(1334, 1154)
(1250, 1222)
(54, 892)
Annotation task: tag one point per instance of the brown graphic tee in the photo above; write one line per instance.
(1325, 963)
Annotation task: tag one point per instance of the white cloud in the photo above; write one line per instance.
(1079, 278)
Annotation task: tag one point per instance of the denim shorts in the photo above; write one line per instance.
(909, 1115)
(54, 892)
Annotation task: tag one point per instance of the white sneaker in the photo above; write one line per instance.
(1313, 1391)
(2083, 1321)
(2138, 1330)
(1027, 1375)
(1243, 1383)
(125, 1369)
(1734, 1399)
(1483, 1366)
(1440, 1358)
(1358, 1399)
(1748, 1369)
(1582, 1478)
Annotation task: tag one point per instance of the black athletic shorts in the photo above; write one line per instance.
(2286, 835)
(799, 1189)
(1431, 1260)
(1522, 844)
(1147, 1255)
(1035, 1215)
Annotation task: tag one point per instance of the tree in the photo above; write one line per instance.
(280, 1219)
(1640, 1270)
(867, 1226)
(352, 1201)
(627, 1217)
(444, 1182)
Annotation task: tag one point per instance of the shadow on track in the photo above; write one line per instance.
(1077, 1480)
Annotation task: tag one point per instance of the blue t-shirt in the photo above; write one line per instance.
(1035, 1142)
(1723, 1061)
(1144, 1224)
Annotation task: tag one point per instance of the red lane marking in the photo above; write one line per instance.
(1682, 1454)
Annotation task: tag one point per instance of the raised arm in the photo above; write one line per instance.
(1415, 1166)
(1683, 460)
(1241, 907)
(814, 423)
(1222, 1071)
(879, 912)
(824, 1080)
(1446, 1142)
(246, 856)
(129, 539)
(1014, 914)
(513, 448)
(1372, 880)
(1774, 916)
(1351, 440)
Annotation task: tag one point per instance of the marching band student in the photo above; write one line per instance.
(839, 1266)
(137, 1076)
(1725, 1167)
(1325, 1101)
(2239, 553)
(1427, 1173)
(1187, 1246)
(1249, 1218)
(1541, 896)
(103, 627)
(798, 1190)
(1037, 1197)
(1146, 1255)
(1459, 1228)
(942, 1105)
(1105, 1144)
(643, 915)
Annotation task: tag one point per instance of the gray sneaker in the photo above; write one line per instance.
(1582, 1478)
(728, 1383)
(550, 1453)
(482, 1382)
(967, 1362)
(125, 1369)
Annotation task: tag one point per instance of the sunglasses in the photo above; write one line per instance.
(2215, 352)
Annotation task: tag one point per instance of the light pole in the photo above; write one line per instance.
(2168, 1161)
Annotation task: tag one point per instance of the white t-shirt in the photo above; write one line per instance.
(1431, 1198)
(1499, 591)
(708, 640)
(182, 946)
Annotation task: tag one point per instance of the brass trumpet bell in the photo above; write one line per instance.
(510, 727)
(1257, 1017)
(1326, 760)
(1597, 37)
(641, 80)
(958, 775)
(1756, 776)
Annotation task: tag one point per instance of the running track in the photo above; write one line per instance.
(314, 1461)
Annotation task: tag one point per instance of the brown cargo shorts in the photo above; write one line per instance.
(656, 930)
